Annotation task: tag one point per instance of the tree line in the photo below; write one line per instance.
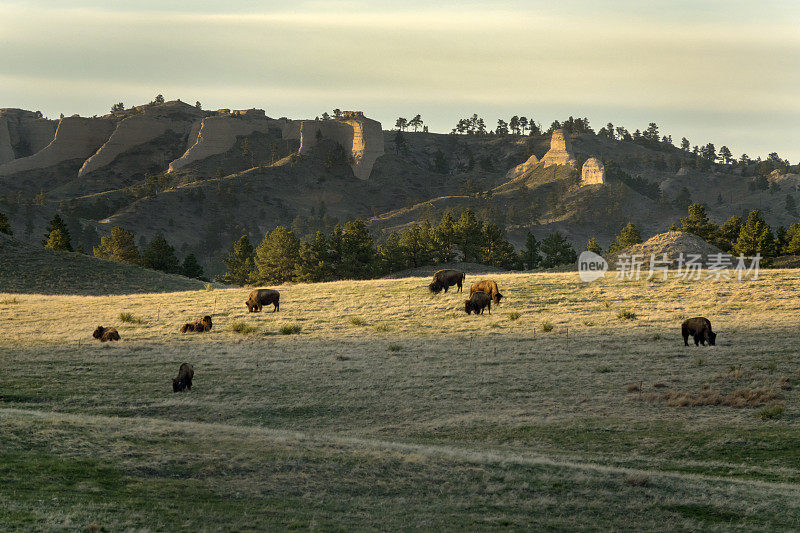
(350, 252)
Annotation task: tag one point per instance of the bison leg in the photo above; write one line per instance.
(697, 340)
(277, 306)
(686, 339)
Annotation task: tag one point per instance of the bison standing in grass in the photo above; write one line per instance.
(204, 324)
(184, 379)
(105, 334)
(489, 287)
(477, 302)
(700, 328)
(443, 279)
(261, 297)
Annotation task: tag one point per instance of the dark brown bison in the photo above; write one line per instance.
(204, 324)
(477, 302)
(261, 297)
(446, 278)
(489, 287)
(184, 379)
(700, 328)
(105, 334)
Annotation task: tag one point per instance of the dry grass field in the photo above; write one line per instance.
(374, 405)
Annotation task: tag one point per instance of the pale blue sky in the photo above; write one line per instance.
(724, 72)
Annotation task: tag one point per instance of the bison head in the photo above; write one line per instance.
(206, 322)
(251, 306)
(498, 297)
(712, 338)
(435, 287)
(468, 307)
(98, 332)
(177, 385)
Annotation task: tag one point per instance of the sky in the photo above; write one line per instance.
(726, 72)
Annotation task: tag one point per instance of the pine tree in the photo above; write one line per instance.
(240, 263)
(390, 255)
(119, 246)
(592, 246)
(58, 240)
(159, 255)
(627, 237)
(417, 241)
(469, 236)
(791, 205)
(445, 239)
(497, 251)
(191, 267)
(728, 233)
(314, 264)
(358, 251)
(755, 237)
(698, 223)
(792, 246)
(57, 223)
(530, 254)
(557, 251)
(5, 227)
(277, 257)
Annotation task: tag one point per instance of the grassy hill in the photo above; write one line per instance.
(29, 269)
(382, 407)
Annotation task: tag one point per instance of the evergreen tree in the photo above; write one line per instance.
(627, 237)
(5, 227)
(314, 264)
(159, 255)
(277, 257)
(557, 251)
(418, 245)
(469, 236)
(358, 251)
(728, 233)
(781, 240)
(58, 240)
(792, 246)
(683, 199)
(119, 246)
(191, 267)
(698, 223)
(755, 237)
(530, 254)
(791, 206)
(240, 263)
(497, 251)
(445, 239)
(390, 255)
(592, 246)
(57, 223)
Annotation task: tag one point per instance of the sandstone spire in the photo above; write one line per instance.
(560, 152)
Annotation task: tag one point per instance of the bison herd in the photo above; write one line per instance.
(481, 296)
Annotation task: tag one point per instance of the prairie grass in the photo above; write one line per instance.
(445, 423)
(242, 327)
(626, 315)
(514, 315)
(356, 321)
(547, 327)
(129, 318)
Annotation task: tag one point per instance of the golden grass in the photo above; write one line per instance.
(421, 373)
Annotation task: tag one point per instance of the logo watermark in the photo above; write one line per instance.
(687, 266)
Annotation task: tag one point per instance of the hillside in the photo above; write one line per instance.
(202, 178)
(32, 269)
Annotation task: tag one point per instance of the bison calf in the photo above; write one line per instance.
(184, 379)
(477, 302)
(700, 328)
(204, 324)
(261, 297)
(443, 279)
(105, 334)
(489, 287)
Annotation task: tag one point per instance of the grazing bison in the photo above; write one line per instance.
(477, 302)
(105, 334)
(261, 297)
(489, 287)
(446, 278)
(184, 379)
(204, 324)
(700, 328)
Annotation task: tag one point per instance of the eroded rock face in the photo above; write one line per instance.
(593, 172)
(522, 167)
(361, 135)
(27, 133)
(560, 152)
(75, 138)
(217, 134)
